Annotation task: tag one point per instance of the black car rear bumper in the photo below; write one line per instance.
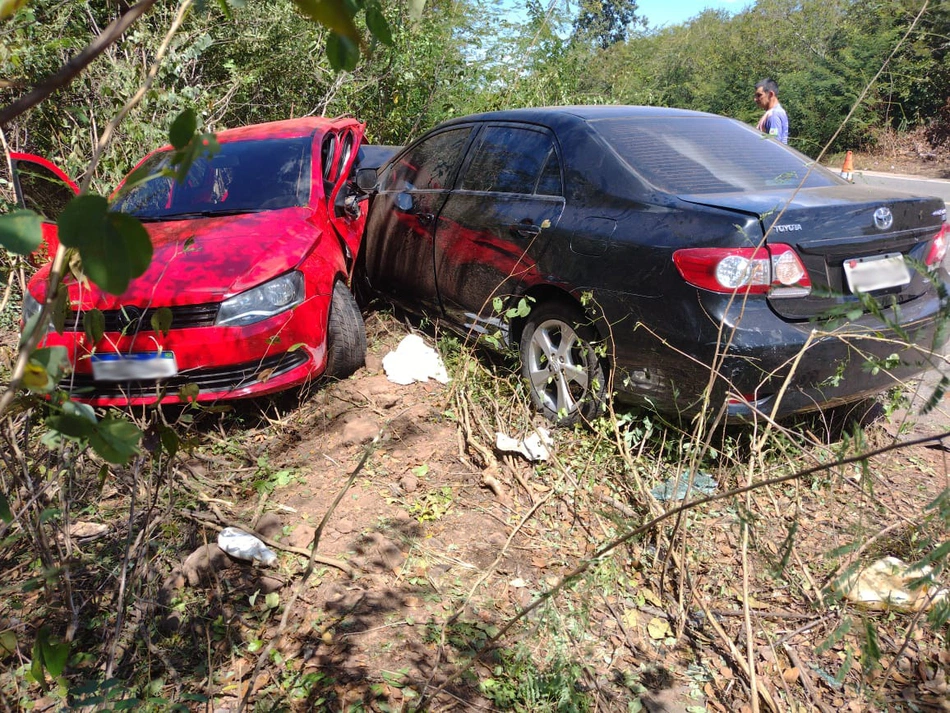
(747, 357)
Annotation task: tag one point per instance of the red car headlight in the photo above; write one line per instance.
(261, 302)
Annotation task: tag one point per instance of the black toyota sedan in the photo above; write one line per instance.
(675, 258)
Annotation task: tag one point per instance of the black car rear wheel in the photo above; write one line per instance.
(346, 334)
(566, 377)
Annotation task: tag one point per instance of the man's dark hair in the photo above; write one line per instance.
(768, 85)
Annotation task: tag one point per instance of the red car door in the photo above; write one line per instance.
(41, 187)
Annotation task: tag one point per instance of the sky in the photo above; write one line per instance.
(674, 12)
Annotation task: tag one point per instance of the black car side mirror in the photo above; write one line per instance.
(366, 179)
(404, 202)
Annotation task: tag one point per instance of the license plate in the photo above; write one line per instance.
(138, 365)
(877, 272)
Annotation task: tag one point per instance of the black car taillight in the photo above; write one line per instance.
(938, 246)
(775, 270)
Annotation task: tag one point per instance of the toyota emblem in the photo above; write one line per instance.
(883, 218)
(131, 317)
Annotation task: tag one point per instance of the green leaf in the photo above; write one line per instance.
(342, 53)
(115, 440)
(200, 145)
(162, 320)
(5, 513)
(272, 600)
(376, 22)
(183, 129)
(36, 667)
(188, 392)
(55, 655)
(870, 649)
(21, 231)
(170, 441)
(10, 7)
(77, 420)
(94, 325)
(114, 247)
(45, 368)
(415, 9)
(8, 642)
(70, 426)
(333, 14)
(58, 316)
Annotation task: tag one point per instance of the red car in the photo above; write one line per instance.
(253, 253)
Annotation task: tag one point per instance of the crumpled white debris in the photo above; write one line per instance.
(414, 360)
(245, 546)
(534, 447)
(886, 584)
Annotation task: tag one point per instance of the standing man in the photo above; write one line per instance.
(774, 121)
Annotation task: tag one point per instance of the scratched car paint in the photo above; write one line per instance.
(252, 256)
(666, 256)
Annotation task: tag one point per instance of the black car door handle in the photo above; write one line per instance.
(424, 218)
(525, 230)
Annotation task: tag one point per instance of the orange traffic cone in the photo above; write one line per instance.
(847, 171)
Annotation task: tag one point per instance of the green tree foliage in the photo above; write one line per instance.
(606, 22)
(266, 60)
(824, 54)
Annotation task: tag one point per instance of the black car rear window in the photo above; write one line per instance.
(243, 177)
(707, 154)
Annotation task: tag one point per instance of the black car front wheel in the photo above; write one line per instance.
(566, 377)
(346, 334)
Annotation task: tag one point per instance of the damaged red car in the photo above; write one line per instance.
(247, 293)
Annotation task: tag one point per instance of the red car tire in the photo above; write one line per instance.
(346, 335)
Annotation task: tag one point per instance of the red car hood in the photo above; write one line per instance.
(209, 259)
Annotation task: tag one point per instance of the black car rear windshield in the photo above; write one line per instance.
(243, 177)
(707, 154)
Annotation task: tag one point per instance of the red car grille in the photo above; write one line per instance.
(226, 378)
(136, 319)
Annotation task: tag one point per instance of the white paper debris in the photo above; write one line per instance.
(245, 546)
(885, 584)
(414, 360)
(534, 447)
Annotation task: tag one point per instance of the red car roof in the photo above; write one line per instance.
(286, 129)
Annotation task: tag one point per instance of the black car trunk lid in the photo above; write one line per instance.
(844, 229)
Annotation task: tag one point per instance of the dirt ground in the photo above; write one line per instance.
(443, 549)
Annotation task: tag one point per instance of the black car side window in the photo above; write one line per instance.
(431, 164)
(549, 182)
(510, 160)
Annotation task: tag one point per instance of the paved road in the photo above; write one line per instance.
(909, 184)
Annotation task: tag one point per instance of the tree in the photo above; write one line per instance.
(606, 22)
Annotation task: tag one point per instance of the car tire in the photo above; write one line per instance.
(346, 334)
(566, 377)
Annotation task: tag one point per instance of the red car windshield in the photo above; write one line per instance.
(243, 177)
(695, 155)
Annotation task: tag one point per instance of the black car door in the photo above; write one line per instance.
(402, 222)
(497, 222)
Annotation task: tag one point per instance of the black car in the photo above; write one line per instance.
(677, 258)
